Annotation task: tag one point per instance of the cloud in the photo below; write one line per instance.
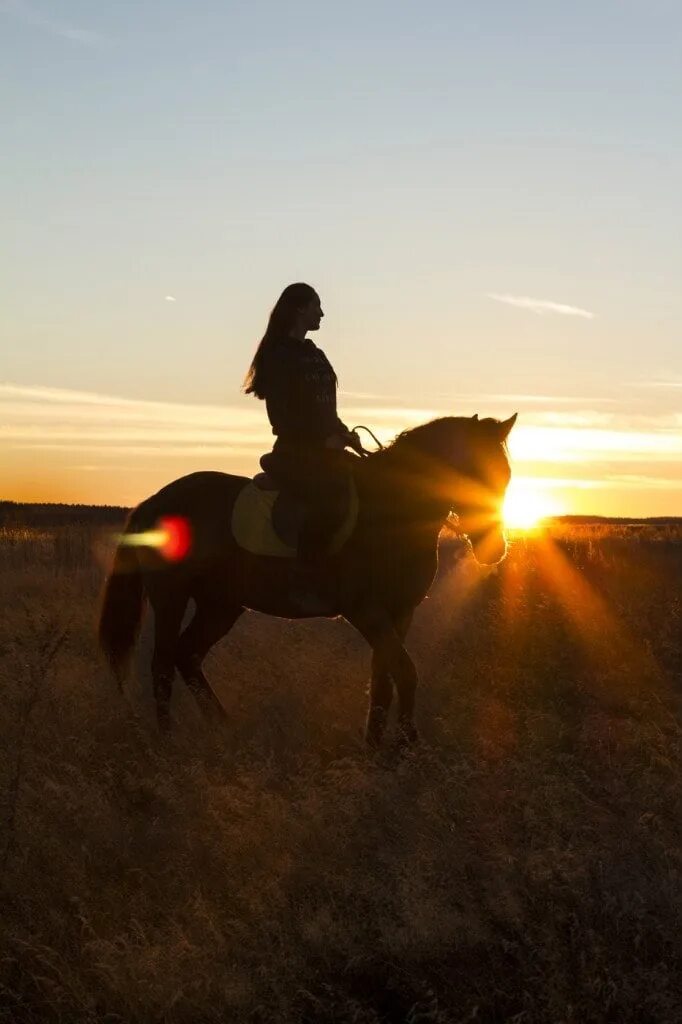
(139, 444)
(550, 483)
(21, 11)
(668, 382)
(107, 429)
(170, 298)
(532, 444)
(370, 396)
(84, 420)
(540, 306)
(579, 418)
(640, 480)
(462, 403)
(549, 400)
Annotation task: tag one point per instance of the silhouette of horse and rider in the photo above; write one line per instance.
(321, 531)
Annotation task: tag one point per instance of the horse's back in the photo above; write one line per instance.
(203, 488)
(203, 500)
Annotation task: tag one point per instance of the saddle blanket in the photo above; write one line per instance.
(253, 529)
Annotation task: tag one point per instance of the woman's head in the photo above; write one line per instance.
(296, 312)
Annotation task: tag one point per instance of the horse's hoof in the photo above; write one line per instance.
(210, 708)
(375, 729)
(408, 735)
(373, 738)
(217, 718)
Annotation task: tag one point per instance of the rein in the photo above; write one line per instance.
(371, 433)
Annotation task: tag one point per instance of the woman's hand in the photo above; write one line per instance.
(347, 439)
(352, 440)
(337, 441)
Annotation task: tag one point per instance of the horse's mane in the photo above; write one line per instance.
(428, 435)
(441, 437)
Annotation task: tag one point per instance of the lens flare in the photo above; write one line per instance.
(178, 538)
(172, 537)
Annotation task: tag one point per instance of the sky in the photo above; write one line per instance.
(486, 196)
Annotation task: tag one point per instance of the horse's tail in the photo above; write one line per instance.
(122, 607)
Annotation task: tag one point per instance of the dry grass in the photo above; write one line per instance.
(524, 865)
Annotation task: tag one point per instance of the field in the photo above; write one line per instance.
(524, 864)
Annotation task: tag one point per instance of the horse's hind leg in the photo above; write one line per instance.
(380, 697)
(168, 613)
(211, 622)
(406, 686)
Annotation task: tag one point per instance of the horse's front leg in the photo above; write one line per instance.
(381, 690)
(391, 664)
(405, 678)
(380, 697)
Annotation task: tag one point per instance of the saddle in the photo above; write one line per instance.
(267, 521)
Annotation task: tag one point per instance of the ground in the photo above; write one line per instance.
(523, 864)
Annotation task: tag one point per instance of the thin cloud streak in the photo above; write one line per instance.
(592, 418)
(395, 406)
(32, 405)
(42, 416)
(549, 483)
(23, 12)
(175, 451)
(573, 444)
(540, 306)
(452, 403)
(669, 382)
(542, 399)
(622, 481)
(46, 394)
(144, 434)
(638, 480)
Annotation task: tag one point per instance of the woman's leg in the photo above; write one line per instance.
(324, 492)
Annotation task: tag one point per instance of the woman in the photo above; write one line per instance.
(299, 386)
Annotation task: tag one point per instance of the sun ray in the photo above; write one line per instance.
(595, 625)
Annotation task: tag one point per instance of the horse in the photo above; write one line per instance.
(406, 491)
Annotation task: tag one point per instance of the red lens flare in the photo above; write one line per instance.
(178, 537)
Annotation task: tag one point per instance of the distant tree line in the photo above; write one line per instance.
(580, 520)
(13, 513)
(59, 514)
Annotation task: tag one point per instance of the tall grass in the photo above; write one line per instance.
(524, 864)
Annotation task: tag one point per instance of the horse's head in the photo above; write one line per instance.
(459, 464)
(480, 479)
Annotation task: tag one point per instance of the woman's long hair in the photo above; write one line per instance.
(281, 321)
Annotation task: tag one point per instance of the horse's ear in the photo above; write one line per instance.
(505, 427)
(475, 417)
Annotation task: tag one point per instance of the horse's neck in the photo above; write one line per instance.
(400, 490)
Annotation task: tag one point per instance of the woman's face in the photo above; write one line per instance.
(311, 314)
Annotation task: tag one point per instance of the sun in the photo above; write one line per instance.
(526, 504)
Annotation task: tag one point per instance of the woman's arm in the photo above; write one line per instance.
(284, 398)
